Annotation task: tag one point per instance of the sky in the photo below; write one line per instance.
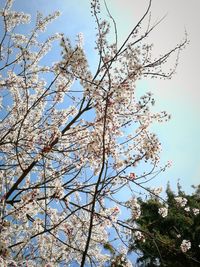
(179, 96)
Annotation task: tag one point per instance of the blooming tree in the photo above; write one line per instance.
(71, 139)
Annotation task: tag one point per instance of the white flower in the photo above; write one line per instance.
(163, 212)
(185, 245)
(187, 209)
(195, 211)
(80, 40)
(135, 207)
(157, 190)
(139, 236)
(181, 201)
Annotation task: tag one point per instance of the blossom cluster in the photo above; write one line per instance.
(185, 245)
(181, 201)
(163, 212)
(139, 236)
(157, 190)
(135, 208)
(195, 211)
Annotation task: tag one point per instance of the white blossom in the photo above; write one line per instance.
(163, 212)
(195, 211)
(187, 209)
(157, 190)
(139, 236)
(181, 201)
(135, 208)
(185, 245)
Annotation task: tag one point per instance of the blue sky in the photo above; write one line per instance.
(179, 96)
